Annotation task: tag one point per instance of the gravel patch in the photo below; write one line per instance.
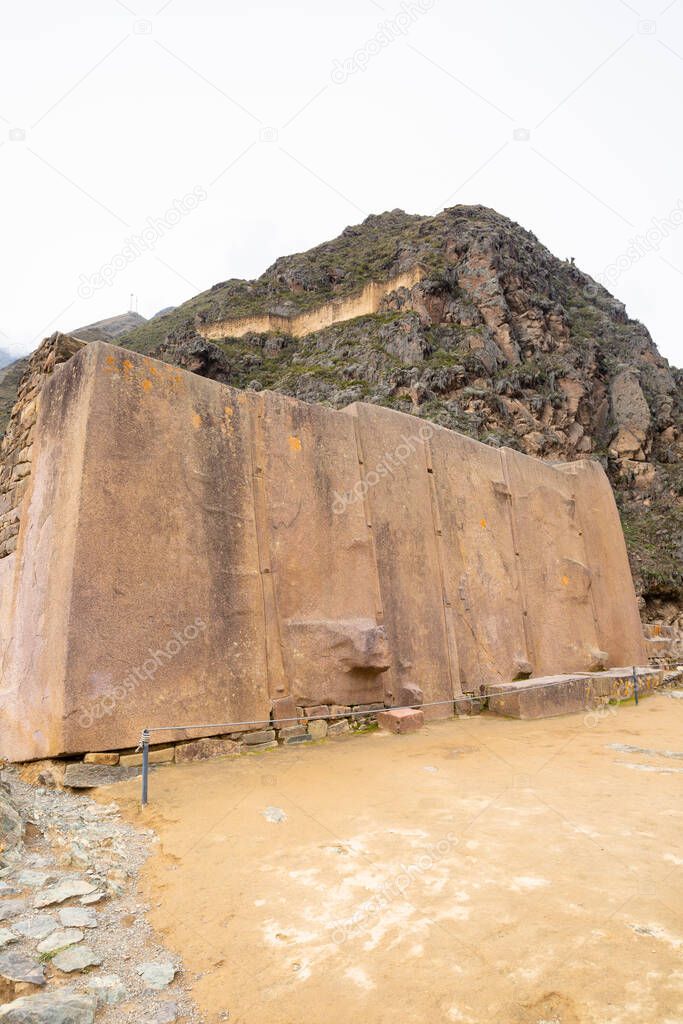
(77, 868)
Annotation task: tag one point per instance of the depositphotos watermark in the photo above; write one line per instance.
(139, 244)
(122, 692)
(394, 888)
(387, 465)
(387, 32)
(639, 248)
(600, 709)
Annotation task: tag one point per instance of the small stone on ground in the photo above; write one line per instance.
(36, 927)
(62, 891)
(157, 976)
(275, 815)
(60, 939)
(107, 989)
(78, 917)
(76, 958)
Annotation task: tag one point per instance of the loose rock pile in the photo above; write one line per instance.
(75, 947)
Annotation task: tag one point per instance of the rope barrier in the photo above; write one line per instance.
(146, 733)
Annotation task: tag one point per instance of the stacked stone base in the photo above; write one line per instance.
(290, 726)
(549, 696)
(664, 644)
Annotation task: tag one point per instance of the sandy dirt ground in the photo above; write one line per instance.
(482, 870)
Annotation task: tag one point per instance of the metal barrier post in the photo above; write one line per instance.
(145, 766)
(635, 684)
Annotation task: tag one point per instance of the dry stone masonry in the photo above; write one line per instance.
(17, 443)
(188, 553)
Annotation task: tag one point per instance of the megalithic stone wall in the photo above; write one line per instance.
(188, 554)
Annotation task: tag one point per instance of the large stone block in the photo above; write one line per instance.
(401, 720)
(396, 497)
(542, 697)
(192, 556)
(483, 584)
(547, 696)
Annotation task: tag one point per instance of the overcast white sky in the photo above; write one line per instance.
(296, 119)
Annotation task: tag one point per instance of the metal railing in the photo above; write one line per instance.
(232, 726)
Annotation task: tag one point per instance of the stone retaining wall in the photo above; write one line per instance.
(17, 444)
(365, 303)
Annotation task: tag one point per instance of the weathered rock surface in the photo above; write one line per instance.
(166, 1013)
(76, 958)
(87, 776)
(11, 828)
(77, 917)
(317, 730)
(157, 975)
(108, 989)
(546, 696)
(340, 728)
(201, 750)
(60, 939)
(49, 1008)
(63, 890)
(252, 739)
(11, 908)
(15, 966)
(7, 937)
(50, 951)
(38, 927)
(101, 758)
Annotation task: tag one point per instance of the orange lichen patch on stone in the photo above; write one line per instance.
(147, 385)
(127, 365)
(196, 421)
(565, 581)
(226, 423)
(294, 443)
(483, 524)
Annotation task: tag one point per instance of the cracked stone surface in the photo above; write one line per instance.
(63, 891)
(78, 917)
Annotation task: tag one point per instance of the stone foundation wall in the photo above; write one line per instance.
(17, 444)
(664, 643)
